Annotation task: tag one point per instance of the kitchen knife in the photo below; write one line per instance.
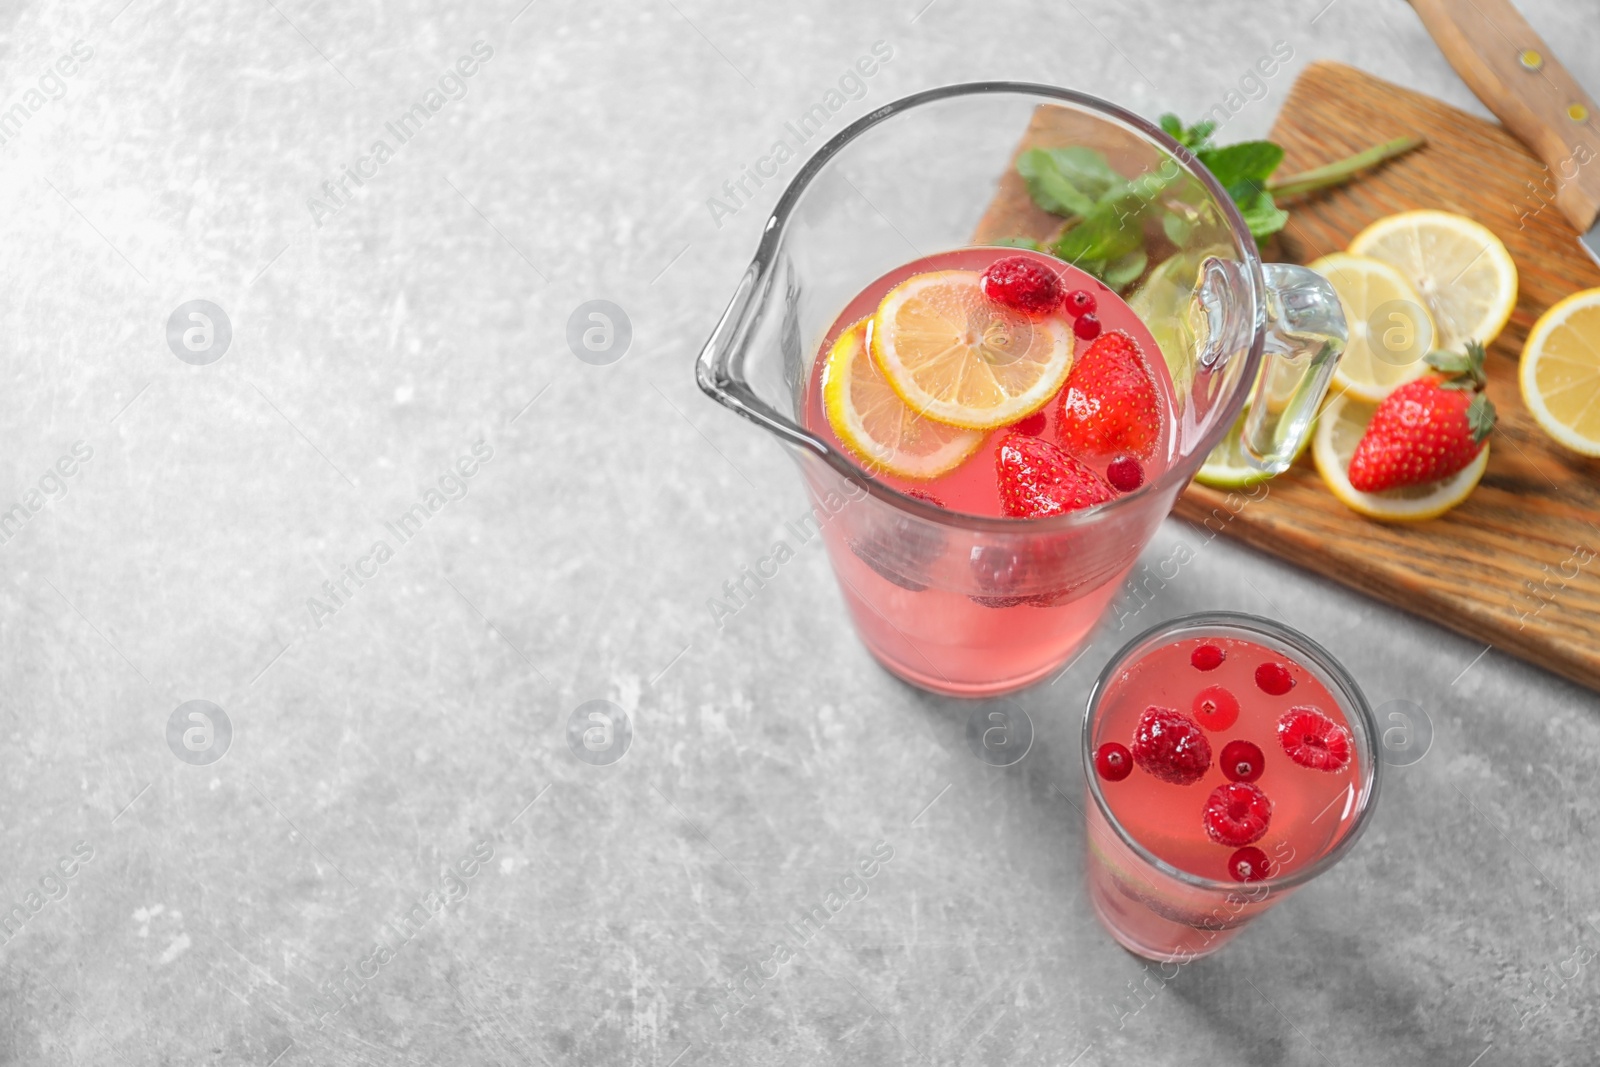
(1518, 78)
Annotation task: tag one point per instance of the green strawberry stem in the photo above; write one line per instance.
(1480, 416)
(1342, 171)
(1465, 371)
(1461, 370)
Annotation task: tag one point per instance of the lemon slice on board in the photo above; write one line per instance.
(1339, 428)
(1464, 273)
(1390, 329)
(875, 424)
(1560, 372)
(960, 358)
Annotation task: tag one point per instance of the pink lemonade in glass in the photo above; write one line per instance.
(940, 615)
(1229, 759)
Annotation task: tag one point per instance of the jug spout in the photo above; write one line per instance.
(720, 369)
(753, 363)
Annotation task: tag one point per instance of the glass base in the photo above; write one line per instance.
(945, 643)
(975, 691)
(1178, 942)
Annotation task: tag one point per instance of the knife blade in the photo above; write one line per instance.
(1516, 75)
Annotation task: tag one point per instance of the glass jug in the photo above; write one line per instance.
(972, 605)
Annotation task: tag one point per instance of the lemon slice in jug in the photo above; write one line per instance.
(875, 424)
(957, 357)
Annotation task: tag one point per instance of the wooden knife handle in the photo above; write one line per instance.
(1517, 77)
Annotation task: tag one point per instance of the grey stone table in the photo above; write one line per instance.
(398, 860)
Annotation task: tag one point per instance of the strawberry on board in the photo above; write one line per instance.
(1110, 404)
(1037, 478)
(1427, 429)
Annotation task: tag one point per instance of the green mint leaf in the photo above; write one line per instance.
(1050, 188)
(1113, 229)
(1193, 137)
(1088, 170)
(1065, 177)
(1019, 242)
(1263, 216)
(1243, 168)
(1177, 228)
(1124, 270)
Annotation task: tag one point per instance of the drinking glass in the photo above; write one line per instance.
(1162, 912)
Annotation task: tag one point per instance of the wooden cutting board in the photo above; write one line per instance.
(1518, 565)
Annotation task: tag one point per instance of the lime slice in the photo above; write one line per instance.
(1165, 303)
(1227, 467)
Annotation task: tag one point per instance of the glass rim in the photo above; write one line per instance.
(1352, 700)
(757, 279)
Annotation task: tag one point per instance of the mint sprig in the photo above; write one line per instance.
(1107, 212)
(1243, 169)
(1191, 137)
(1068, 181)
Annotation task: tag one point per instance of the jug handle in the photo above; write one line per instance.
(1303, 337)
